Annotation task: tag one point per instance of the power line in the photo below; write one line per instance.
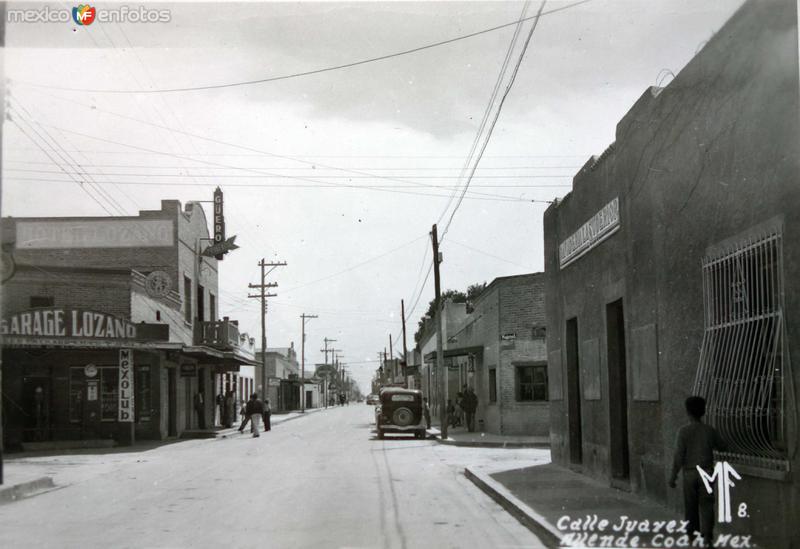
(489, 198)
(496, 116)
(243, 147)
(311, 72)
(316, 176)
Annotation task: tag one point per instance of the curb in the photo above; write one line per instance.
(529, 518)
(476, 444)
(24, 489)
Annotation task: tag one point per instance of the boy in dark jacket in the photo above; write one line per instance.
(695, 448)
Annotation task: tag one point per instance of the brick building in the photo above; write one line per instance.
(283, 378)
(669, 270)
(499, 350)
(86, 288)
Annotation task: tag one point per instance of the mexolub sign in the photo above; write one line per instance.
(125, 408)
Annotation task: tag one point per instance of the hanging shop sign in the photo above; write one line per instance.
(90, 370)
(67, 323)
(599, 227)
(125, 408)
(188, 370)
(221, 246)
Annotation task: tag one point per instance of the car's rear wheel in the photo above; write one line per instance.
(403, 417)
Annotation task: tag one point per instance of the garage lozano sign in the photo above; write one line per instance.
(601, 225)
(67, 323)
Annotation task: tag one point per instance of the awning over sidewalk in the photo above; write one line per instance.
(462, 351)
(228, 359)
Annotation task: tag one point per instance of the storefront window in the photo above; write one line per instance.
(142, 402)
(109, 393)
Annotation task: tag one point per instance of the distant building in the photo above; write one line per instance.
(499, 350)
(671, 270)
(93, 300)
(283, 378)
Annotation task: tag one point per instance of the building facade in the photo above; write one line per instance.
(111, 323)
(499, 350)
(669, 272)
(283, 378)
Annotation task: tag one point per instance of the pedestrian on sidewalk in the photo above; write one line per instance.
(451, 413)
(220, 401)
(459, 405)
(245, 418)
(267, 416)
(228, 408)
(255, 410)
(695, 448)
(470, 406)
(426, 412)
(200, 409)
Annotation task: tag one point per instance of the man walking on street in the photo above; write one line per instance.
(470, 405)
(267, 416)
(254, 409)
(695, 448)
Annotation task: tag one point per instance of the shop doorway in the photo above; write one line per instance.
(187, 403)
(36, 406)
(574, 394)
(172, 403)
(617, 391)
(309, 399)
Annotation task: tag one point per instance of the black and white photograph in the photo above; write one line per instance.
(400, 274)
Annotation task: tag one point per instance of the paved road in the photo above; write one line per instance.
(319, 481)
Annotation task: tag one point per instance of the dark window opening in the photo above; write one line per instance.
(187, 299)
(42, 301)
(532, 383)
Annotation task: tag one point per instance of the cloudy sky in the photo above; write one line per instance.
(341, 173)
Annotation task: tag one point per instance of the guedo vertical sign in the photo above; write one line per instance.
(219, 220)
(125, 408)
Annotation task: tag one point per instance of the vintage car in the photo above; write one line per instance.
(400, 412)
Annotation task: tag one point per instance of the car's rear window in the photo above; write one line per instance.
(402, 398)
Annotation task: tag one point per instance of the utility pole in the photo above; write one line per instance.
(439, 359)
(391, 357)
(263, 295)
(405, 349)
(304, 318)
(326, 350)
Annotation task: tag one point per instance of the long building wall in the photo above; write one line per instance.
(712, 156)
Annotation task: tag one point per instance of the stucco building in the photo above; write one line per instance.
(670, 270)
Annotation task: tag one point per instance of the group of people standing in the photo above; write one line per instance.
(462, 412)
(252, 411)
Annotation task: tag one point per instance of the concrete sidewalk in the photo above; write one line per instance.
(462, 437)
(566, 509)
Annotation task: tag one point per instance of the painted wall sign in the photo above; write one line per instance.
(188, 370)
(58, 322)
(126, 404)
(68, 233)
(599, 227)
(158, 284)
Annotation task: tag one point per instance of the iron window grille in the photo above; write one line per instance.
(743, 360)
(532, 383)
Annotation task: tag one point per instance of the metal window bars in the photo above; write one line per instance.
(743, 360)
